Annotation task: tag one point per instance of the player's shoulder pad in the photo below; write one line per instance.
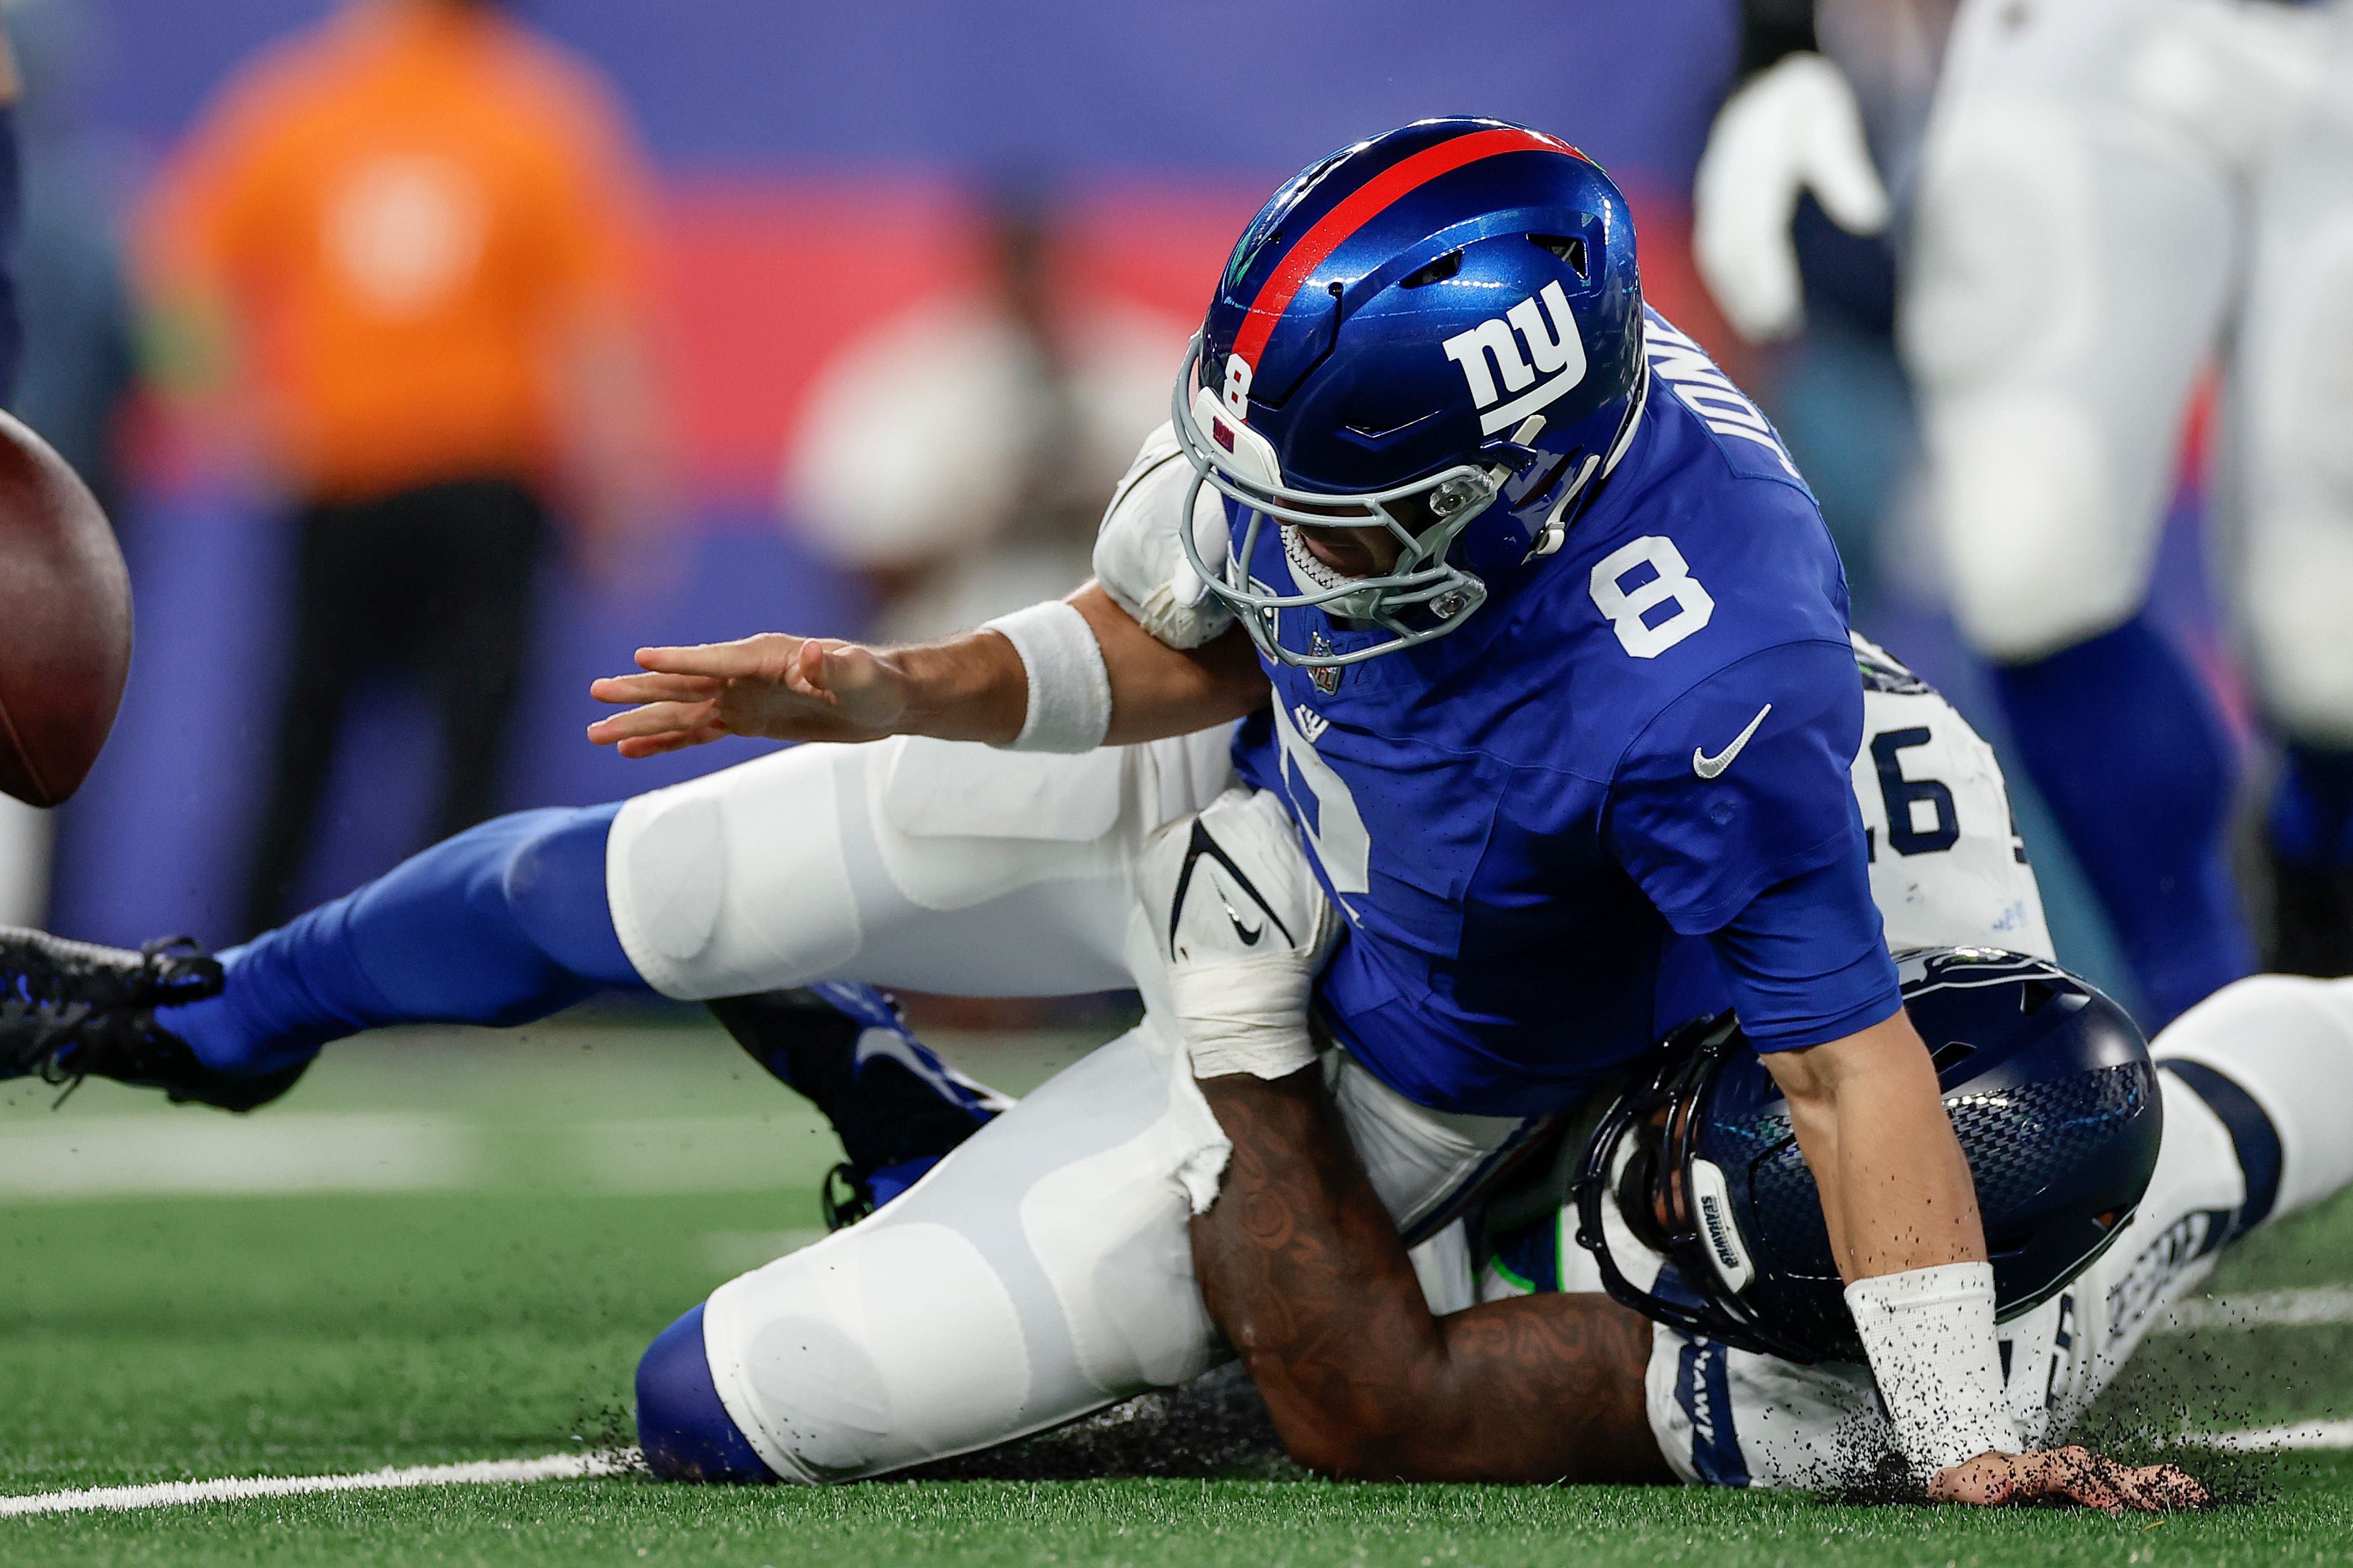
(1684, 575)
(1882, 673)
(1686, 384)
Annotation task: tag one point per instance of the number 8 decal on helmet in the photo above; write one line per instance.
(1436, 334)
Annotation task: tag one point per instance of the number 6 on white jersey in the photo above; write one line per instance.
(1673, 581)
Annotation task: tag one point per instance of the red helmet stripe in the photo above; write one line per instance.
(1360, 206)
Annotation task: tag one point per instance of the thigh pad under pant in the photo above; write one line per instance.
(935, 865)
(1042, 1270)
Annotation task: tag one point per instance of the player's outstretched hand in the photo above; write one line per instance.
(2068, 1475)
(774, 686)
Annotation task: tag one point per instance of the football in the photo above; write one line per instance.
(65, 621)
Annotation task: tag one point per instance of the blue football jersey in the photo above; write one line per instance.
(1546, 827)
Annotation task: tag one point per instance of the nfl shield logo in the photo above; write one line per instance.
(1326, 678)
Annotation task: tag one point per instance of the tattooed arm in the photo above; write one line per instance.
(1302, 1268)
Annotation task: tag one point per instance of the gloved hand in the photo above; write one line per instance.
(1793, 127)
(1139, 559)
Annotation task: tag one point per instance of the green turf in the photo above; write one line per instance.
(150, 1337)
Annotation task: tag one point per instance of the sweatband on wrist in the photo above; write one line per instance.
(1930, 1337)
(1245, 1017)
(1070, 687)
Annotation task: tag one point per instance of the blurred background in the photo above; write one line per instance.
(708, 317)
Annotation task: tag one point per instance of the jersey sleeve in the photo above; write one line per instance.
(1805, 962)
(1740, 784)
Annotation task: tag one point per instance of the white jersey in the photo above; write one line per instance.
(1948, 867)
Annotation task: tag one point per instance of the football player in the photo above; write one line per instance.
(2109, 1188)
(1562, 702)
(2180, 174)
(2102, 1208)
(2105, 1187)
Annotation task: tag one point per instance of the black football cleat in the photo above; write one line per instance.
(897, 1108)
(72, 1010)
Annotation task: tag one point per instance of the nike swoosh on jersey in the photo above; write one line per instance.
(1708, 767)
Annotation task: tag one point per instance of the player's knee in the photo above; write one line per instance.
(2302, 421)
(684, 1429)
(1971, 315)
(552, 880)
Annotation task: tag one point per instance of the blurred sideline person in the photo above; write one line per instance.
(2112, 192)
(403, 253)
(957, 455)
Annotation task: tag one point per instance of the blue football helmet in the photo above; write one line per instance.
(2050, 1090)
(1438, 332)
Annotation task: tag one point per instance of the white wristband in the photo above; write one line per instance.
(1070, 687)
(1255, 1012)
(1930, 1336)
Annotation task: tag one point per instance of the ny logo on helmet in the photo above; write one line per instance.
(1555, 353)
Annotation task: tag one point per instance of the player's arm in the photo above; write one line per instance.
(1896, 1192)
(974, 686)
(1902, 1212)
(1299, 1260)
(1302, 1268)
(1762, 853)
(1140, 653)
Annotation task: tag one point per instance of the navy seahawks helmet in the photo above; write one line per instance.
(1438, 332)
(2050, 1087)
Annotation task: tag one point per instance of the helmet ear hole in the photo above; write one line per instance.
(1570, 250)
(1950, 1054)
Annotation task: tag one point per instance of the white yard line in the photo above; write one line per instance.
(171, 1494)
(69, 1157)
(2259, 1309)
(2272, 1439)
(621, 1461)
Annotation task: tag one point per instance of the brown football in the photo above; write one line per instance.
(65, 621)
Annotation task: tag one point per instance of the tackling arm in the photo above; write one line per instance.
(1301, 1267)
